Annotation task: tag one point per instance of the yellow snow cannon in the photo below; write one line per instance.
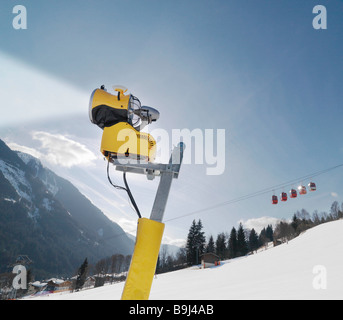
(122, 118)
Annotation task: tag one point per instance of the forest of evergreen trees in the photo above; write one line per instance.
(227, 244)
(239, 242)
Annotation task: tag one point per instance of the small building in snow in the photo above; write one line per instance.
(209, 259)
(58, 285)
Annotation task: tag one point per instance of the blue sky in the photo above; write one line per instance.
(257, 69)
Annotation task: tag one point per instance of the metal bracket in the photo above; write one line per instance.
(166, 172)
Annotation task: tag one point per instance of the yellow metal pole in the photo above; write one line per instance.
(149, 235)
(144, 260)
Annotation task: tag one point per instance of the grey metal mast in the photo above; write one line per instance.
(166, 172)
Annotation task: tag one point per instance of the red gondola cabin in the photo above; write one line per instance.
(293, 193)
(274, 200)
(283, 196)
(312, 186)
(302, 190)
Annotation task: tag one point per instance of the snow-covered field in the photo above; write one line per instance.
(308, 267)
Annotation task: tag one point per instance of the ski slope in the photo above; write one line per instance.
(308, 267)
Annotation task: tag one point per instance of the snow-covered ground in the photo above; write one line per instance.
(308, 267)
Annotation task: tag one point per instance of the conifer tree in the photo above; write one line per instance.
(232, 247)
(81, 275)
(200, 238)
(196, 242)
(191, 243)
(253, 240)
(242, 247)
(295, 221)
(210, 245)
(269, 232)
(221, 245)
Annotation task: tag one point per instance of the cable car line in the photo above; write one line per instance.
(257, 193)
(242, 198)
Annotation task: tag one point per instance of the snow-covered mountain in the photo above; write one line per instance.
(307, 267)
(45, 217)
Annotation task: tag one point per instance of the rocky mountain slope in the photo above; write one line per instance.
(45, 217)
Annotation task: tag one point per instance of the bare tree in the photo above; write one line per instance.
(284, 231)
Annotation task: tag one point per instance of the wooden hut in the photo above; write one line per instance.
(209, 259)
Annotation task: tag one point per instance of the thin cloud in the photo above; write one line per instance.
(33, 152)
(129, 226)
(60, 150)
(174, 242)
(259, 223)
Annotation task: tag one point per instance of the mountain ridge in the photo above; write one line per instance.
(46, 217)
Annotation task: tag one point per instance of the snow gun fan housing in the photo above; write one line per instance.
(122, 117)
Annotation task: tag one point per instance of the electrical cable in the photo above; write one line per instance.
(109, 179)
(127, 189)
(131, 196)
